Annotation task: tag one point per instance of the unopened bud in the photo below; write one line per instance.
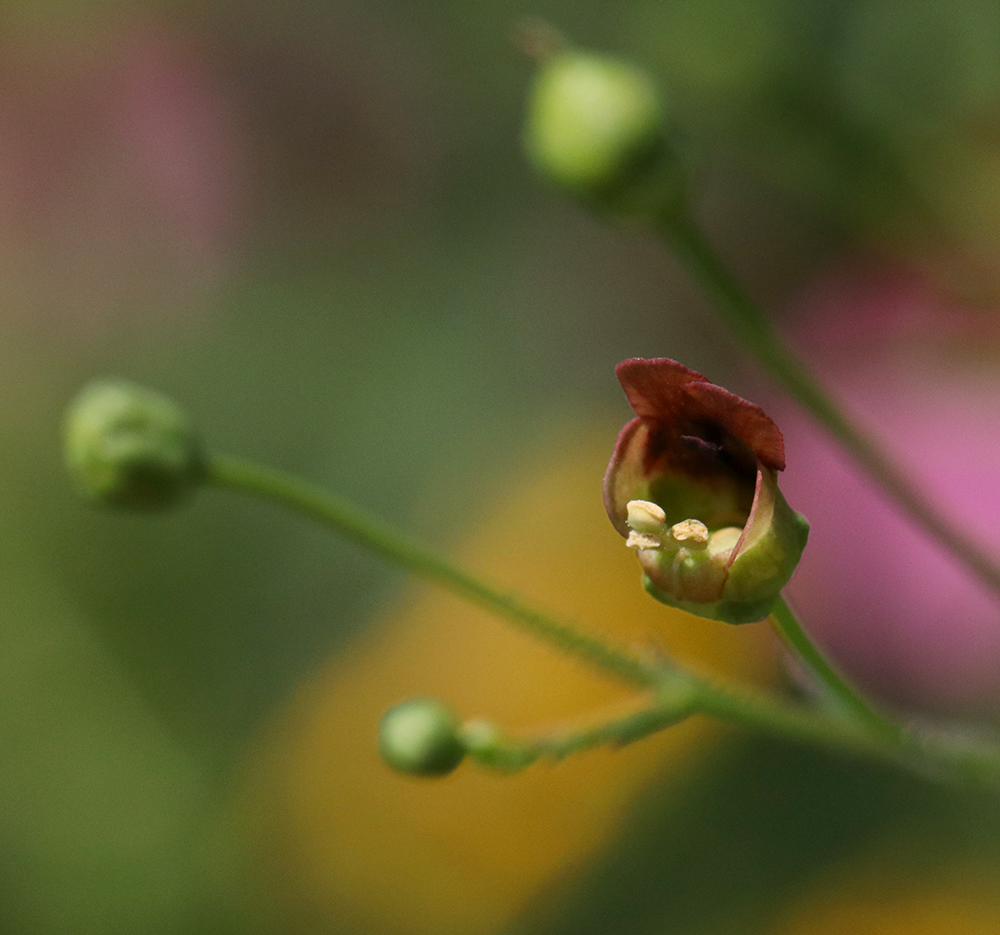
(596, 126)
(130, 447)
(420, 737)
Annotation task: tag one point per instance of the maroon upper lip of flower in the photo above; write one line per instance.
(686, 425)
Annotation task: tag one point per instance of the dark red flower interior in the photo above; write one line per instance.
(702, 425)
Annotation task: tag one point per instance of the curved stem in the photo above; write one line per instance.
(343, 517)
(788, 628)
(938, 759)
(676, 693)
(941, 758)
(756, 332)
(673, 702)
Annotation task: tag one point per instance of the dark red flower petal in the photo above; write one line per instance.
(669, 394)
(626, 473)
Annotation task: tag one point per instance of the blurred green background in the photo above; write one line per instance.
(311, 224)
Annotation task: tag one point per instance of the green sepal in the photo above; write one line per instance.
(724, 610)
(757, 575)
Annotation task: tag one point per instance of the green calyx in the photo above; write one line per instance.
(596, 126)
(761, 568)
(130, 447)
(421, 737)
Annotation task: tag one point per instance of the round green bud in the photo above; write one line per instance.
(131, 447)
(420, 737)
(596, 125)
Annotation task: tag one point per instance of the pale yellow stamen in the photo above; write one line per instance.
(691, 533)
(639, 540)
(644, 516)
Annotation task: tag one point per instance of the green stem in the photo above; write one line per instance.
(343, 517)
(970, 765)
(788, 628)
(676, 693)
(757, 333)
(941, 759)
(674, 701)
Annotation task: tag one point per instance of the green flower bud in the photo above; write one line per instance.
(130, 447)
(420, 737)
(596, 126)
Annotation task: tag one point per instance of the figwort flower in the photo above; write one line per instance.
(692, 485)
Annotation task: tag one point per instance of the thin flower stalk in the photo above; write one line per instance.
(756, 332)
(941, 758)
